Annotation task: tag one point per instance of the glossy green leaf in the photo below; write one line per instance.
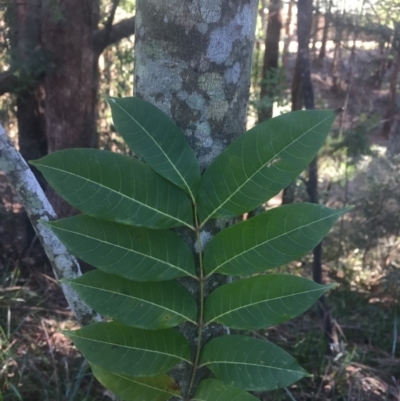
(115, 187)
(214, 390)
(125, 350)
(129, 388)
(262, 162)
(151, 306)
(152, 134)
(250, 364)
(262, 301)
(270, 239)
(136, 253)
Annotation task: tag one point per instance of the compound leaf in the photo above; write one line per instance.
(136, 253)
(270, 239)
(262, 162)
(262, 301)
(153, 135)
(250, 364)
(115, 187)
(129, 388)
(151, 306)
(125, 350)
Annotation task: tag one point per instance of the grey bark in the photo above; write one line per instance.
(193, 61)
(36, 205)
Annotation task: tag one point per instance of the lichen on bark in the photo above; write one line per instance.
(193, 61)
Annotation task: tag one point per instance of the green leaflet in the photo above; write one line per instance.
(124, 350)
(262, 301)
(261, 162)
(151, 306)
(250, 364)
(270, 239)
(152, 134)
(115, 187)
(129, 388)
(214, 390)
(136, 253)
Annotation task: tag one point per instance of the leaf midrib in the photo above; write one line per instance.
(119, 193)
(130, 347)
(145, 385)
(263, 301)
(135, 298)
(161, 149)
(126, 249)
(258, 170)
(272, 239)
(249, 364)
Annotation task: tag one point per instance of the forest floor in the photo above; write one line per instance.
(361, 254)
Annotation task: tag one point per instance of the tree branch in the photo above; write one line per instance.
(32, 197)
(106, 37)
(109, 24)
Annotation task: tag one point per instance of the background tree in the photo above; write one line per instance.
(303, 94)
(55, 61)
(270, 72)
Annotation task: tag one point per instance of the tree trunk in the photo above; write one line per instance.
(391, 107)
(302, 89)
(325, 32)
(271, 58)
(193, 61)
(303, 93)
(286, 43)
(24, 19)
(315, 29)
(71, 83)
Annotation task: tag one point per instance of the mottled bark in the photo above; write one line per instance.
(271, 58)
(71, 83)
(32, 197)
(193, 61)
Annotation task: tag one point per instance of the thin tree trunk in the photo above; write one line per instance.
(391, 107)
(288, 35)
(315, 29)
(325, 32)
(31, 195)
(337, 56)
(71, 83)
(303, 93)
(194, 63)
(271, 58)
